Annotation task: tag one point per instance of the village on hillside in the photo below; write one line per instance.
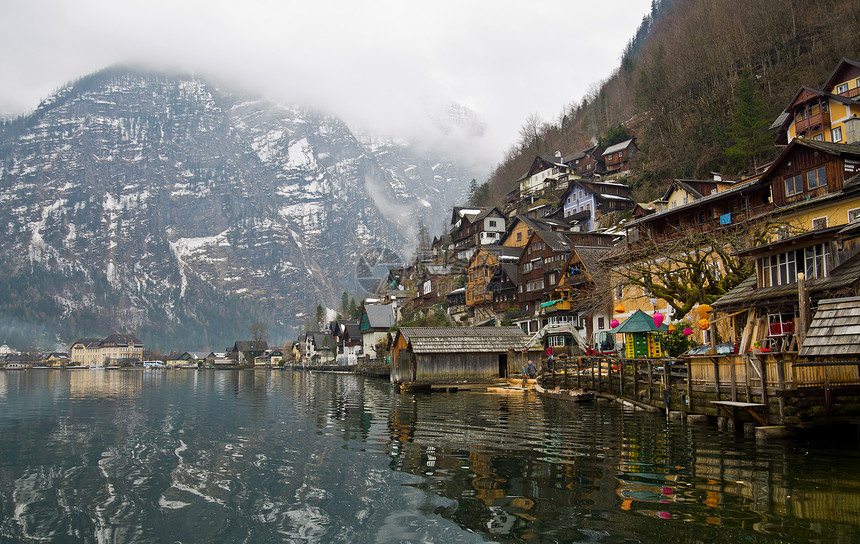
(762, 270)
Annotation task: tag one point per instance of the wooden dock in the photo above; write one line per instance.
(757, 388)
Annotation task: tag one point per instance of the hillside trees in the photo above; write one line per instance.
(697, 268)
(751, 140)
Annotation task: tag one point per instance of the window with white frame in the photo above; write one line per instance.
(836, 134)
(819, 223)
(816, 178)
(782, 269)
(853, 215)
(556, 341)
(843, 88)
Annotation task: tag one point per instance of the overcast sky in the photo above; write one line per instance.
(382, 65)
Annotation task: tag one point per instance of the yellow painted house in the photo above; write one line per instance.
(521, 229)
(831, 114)
(114, 349)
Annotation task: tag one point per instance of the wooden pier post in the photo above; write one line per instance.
(579, 372)
(780, 377)
(621, 377)
(734, 377)
(716, 376)
(635, 379)
(650, 380)
(591, 371)
(689, 384)
(667, 394)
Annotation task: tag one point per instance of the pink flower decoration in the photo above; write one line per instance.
(613, 323)
(658, 320)
(688, 331)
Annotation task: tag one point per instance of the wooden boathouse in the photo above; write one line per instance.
(429, 356)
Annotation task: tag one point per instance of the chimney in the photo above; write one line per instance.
(852, 130)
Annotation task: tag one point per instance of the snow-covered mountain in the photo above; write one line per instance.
(165, 206)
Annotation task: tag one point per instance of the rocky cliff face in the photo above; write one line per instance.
(164, 206)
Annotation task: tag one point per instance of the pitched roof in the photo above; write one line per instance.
(639, 322)
(251, 345)
(843, 64)
(464, 339)
(835, 329)
(122, 340)
(512, 272)
(503, 253)
(88, 342)
(557, 241)
(379, 316)
(590, 257)
(747, 295)
(618, 147)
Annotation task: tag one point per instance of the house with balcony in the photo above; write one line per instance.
(539, 270)
(830, 114)
(491, 281)
(474, 230)
(581, 299)
(547, 172)
(617, 157)
(585, 201)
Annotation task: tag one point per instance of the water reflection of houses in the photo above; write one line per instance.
(109, 383)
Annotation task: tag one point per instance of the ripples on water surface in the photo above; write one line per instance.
(257, 456)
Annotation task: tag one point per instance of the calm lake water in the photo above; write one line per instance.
(258, 456)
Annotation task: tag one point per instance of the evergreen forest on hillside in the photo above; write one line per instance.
(698, 86)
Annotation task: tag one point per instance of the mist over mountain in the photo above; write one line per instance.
(163, 205)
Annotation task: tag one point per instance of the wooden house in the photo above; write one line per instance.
(831, 114)
(545, 172)
(617, 157)
(436, 280)
(487, 227)
(522, 226)
(485, 275)
(456, 301)
(426, 356)
(581, 298)
(540, 267)
(587, 162)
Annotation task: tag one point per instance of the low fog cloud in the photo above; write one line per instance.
(389, 66)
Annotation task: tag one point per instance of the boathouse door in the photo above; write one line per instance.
(503, 365)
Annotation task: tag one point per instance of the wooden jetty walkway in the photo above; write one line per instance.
(751, 389)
